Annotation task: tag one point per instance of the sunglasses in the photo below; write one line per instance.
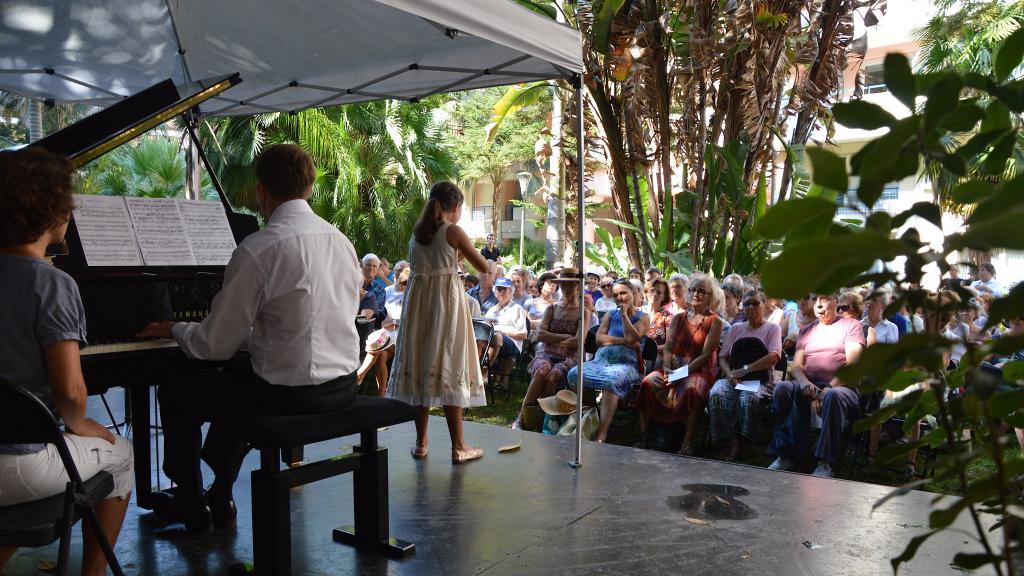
(843, 308)
(698, 291)
(751, 303)
(608, 285)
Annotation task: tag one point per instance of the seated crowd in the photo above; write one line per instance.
(686, 348)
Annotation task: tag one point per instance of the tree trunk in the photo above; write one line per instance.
(620, 192)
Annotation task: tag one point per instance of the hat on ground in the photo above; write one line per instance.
(378, 340)
(561, 404)
(567, 275)
(503, 282)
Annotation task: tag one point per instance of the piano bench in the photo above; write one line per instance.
(271, 505)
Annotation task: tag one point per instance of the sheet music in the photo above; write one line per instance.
(160, 231)
(105, 230)
(749, 386)
(208, 231)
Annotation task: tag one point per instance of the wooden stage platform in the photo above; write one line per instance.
(624, 512)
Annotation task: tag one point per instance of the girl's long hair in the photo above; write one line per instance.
(444, 196)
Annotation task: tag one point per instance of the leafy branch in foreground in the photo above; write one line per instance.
(975, 403)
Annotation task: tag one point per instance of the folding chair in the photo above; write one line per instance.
(24, 419)
(483, 332)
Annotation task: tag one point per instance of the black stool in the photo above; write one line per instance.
(271, 505)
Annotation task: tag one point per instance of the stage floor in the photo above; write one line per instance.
(625, 511)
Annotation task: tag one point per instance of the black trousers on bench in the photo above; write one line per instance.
(186, 406)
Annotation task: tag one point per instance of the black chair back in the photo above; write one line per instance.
(590, 343)
(649, 349)
(24, 419)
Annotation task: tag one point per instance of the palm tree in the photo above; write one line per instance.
(963, 36)
(152, 166)
(375, 163)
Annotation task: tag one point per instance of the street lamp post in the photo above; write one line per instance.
(524, 184)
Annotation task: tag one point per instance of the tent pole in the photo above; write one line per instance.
(577, 81)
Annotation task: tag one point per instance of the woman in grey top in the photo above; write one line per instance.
(43, 323)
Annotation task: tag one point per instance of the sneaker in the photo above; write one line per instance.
(824, 470)
(782, 464)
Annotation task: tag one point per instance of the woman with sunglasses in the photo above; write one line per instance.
(829, 343)
(615, 368)
(749, 353)
(850, 305)
(606, 302)
(692, 339)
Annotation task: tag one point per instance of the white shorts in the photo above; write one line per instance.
(28, 477)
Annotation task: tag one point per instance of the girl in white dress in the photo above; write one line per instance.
(436, 362)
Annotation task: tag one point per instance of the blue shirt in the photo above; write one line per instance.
(378, 289)
(39, 307)
(485, 304)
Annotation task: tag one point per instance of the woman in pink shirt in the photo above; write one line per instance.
(822, 348)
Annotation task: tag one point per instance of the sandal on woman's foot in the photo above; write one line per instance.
(463, 456)
(686, 449)
(419, 452)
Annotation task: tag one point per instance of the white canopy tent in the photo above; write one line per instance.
(291, 55)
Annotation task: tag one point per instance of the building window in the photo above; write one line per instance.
(874, 78)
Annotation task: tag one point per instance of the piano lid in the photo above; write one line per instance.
(111, 127)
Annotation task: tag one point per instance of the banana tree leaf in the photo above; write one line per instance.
(618, 223)
(515, 98)
(603, 24)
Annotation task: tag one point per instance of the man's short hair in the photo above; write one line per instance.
(988, 267)
(286, 171)
(35, 194)
(654, 270)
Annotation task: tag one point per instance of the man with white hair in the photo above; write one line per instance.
(373, 284)
(483, 292)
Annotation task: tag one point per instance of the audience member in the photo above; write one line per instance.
(593, 282)
(483, 291)
(826, 345)
(661, 318)
(954, 281)
(693, 339)
(749, 353)
(677, 293)
(615, 369)
(510, 331)
(535, 307)
(373, 284)
(731, 313)
(43, 324)
(520, 280)
(490, 251)
(880, 330)
(607, 300)
(559, 332)
(469, 282)
(636, 274)
(395, 294)
(801, 318)
(652, 273)
(987, 282)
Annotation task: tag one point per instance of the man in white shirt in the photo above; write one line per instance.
(510, 329)
(291, 294)
(987, 281)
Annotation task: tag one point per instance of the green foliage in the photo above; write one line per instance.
(819, 256)
(152, 166)
(375, 163)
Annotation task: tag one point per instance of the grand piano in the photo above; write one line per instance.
(120, 300)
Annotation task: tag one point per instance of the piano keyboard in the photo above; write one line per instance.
(97, 349)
